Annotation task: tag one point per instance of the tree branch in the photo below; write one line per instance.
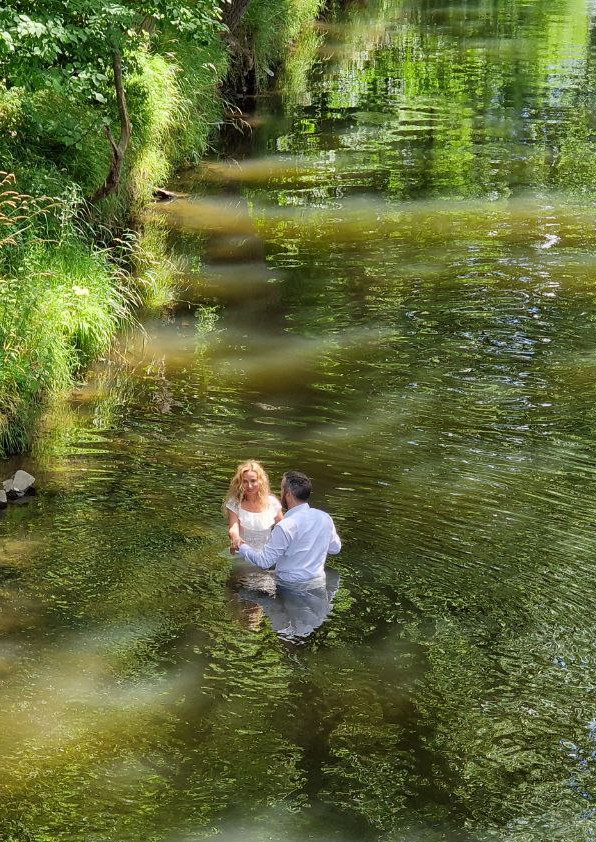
(112, 181)
(234, 12)
(113, 143)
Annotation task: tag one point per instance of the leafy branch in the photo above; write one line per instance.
(84, 50)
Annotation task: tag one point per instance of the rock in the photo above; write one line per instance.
(3, 499)
(23, 500)
(22, 482)
(10, 490)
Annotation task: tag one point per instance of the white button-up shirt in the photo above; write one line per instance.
(298, 545)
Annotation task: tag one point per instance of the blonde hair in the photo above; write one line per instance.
(236, 489)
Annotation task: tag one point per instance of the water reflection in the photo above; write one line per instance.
(365, 223)
(294, 611)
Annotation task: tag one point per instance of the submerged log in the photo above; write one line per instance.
(161, 195)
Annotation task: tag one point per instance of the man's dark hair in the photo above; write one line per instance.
(298, 484)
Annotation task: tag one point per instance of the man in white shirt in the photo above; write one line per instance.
(299, 543)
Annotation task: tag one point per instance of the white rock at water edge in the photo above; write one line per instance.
(7, 486)
(22, 481)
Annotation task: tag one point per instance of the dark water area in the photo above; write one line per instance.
(389, 283)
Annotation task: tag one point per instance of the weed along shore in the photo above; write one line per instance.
(99, 106)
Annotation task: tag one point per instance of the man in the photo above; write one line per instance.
(299, 543)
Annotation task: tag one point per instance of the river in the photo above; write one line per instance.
(388, 283)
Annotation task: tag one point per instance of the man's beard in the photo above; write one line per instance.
(284, 502)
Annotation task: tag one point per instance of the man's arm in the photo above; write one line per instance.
(273, 550)
(334, 543)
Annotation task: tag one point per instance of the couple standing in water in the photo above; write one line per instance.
(296, 543)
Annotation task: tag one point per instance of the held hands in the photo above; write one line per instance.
(235, 544)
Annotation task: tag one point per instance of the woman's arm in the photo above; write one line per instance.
(234, 530)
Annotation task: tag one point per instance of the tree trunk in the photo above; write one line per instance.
(234, 12)
(112, 181)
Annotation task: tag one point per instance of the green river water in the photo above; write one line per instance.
(390, 284)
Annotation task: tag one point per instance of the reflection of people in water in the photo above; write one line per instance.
(250, 507)
(300, 541)
(295, 610)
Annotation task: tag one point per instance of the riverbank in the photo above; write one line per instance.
(75, 265)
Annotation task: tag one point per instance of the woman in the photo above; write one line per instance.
(252, 510)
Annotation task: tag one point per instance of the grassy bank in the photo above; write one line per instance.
(71, 275)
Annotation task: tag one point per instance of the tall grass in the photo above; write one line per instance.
(298, 65)
(62, 297)
(181, 109)
(156, 275)
(200, 70)
(58, 311)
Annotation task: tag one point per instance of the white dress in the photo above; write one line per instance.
(255, 527)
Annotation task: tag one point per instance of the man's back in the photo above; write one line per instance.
(298, 545)
(311, 535)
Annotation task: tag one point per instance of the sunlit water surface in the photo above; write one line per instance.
(388, 283)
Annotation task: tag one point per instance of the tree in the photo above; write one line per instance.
(84, 49)
(234, 12)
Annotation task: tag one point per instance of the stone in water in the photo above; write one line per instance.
(22, 482)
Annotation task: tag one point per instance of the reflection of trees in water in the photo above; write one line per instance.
(498, 722)
(491, 741)
(117, 720)
(240, 756)
(464, 99)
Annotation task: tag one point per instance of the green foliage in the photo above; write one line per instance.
(57, 312)
(68, 46)
(56, 96)
(61, 54)
(273, 26)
